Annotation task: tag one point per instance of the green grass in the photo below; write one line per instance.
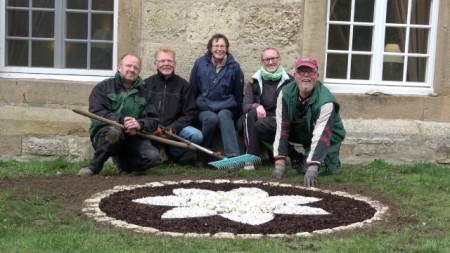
(420, 221)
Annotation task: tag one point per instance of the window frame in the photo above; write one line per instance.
(56, 73)
(375, 84)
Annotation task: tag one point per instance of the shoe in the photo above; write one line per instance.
(249, 167)
(85, 172)
(187, 158)
(123, 172)
(298, 163)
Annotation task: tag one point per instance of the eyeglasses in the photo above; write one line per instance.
(219, 46)
(271, 59)
(165, 61)
(305, 71)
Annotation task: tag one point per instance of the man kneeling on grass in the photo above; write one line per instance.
(307, 113)
(124, 99)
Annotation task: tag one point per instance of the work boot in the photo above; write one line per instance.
(85, 172)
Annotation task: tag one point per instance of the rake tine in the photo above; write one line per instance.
(235, 162)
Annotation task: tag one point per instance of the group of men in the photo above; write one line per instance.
(278, 109)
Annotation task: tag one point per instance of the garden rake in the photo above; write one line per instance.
(148, 136)
(223, 162)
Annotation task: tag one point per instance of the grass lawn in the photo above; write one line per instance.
(418, 193)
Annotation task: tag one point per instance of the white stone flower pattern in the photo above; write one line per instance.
(249, 205)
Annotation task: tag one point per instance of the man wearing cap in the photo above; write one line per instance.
(308, 114)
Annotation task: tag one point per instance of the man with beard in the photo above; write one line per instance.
(307, 113)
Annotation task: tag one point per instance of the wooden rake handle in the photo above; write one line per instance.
(195, 146)
(148, 136)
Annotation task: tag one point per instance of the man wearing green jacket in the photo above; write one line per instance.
(124, 99)
(308, 114)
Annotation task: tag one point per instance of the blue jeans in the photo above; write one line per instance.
(189, 133)
(223, 120)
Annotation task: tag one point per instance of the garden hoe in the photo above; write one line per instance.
(223, 162)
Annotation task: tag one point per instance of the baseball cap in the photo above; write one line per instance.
(306, 61)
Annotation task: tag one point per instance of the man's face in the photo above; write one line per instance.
(165, 63)
(219, 49)
(129, 68)
(270, 60)
(306, 79)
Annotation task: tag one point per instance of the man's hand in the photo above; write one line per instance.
(311, 176)
(260, 112)
(131, 125)
(167, 132)
(278, 171)
(158, 132)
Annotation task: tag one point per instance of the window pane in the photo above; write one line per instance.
(418, 40)
(338, 37)
(395, 35)
(397, 11)
(18, 3)
(18, 23)
(337, 66)
(77, 26)
(392, 71)
(364, 10)
(44, 3)
(416, 69)
(42, 54)
(362, 38)
(102, 26)
(340, 10)
(104, 5)
(76, 55)
(41, 27)
(78, 4)
(101, 56)
(420, 13)
(360, 67)
(17, 52)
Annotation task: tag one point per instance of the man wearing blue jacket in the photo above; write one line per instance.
(218, 81)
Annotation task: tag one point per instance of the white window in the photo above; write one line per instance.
(381, 45)
(58, 39)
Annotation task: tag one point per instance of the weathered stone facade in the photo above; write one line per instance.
(36, 117)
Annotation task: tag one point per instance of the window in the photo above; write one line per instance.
(61, 39)
(383, 45)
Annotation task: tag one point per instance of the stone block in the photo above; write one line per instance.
(10, 145)
(45, 146)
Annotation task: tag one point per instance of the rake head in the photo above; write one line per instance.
(235, 162)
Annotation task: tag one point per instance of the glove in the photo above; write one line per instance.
(158, 132)
(166, 130)
(311, 176)
(278, 172)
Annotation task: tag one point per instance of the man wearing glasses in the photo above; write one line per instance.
(307, 113)
(174, 101)
(260, 99)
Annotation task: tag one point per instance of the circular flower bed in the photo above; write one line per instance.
(224, 208)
